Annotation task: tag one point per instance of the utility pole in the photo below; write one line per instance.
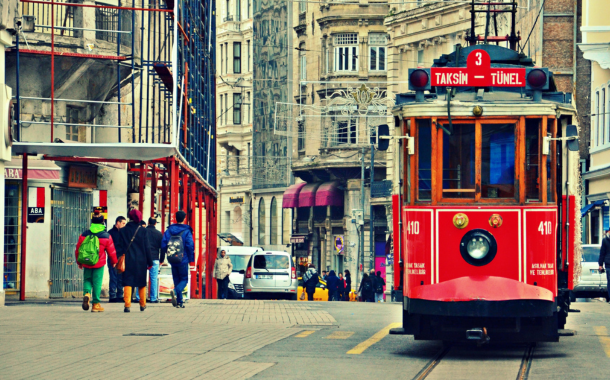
(371, 226)
(361, 245)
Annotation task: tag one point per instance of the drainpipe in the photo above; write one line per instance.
(24, 224)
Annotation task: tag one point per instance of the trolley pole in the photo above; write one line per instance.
(361, 248)
(371, 224)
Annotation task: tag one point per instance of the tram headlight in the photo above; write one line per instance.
(478, 247)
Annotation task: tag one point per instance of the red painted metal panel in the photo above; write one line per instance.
(540, 242)
(480, 288)
(568, 261)
(452, 265)
(418, 247)
(396, 239)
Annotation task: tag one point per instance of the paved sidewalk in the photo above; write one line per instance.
(204, 340)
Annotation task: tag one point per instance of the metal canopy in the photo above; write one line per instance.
(120, 151)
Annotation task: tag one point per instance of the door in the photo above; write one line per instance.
(263, 270)
(71, 213)
(283, 264)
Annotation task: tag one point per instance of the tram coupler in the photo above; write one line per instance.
(478, 334)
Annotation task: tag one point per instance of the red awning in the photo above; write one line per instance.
(291, 195)
(329, 194)
(307, 196)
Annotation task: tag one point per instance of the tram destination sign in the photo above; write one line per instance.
(477, 73)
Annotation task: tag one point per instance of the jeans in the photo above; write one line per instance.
(223, 287)
(154, 281)
(92, 283)
(378, 297)
(116, 282)
(180, 275)
(310, 295)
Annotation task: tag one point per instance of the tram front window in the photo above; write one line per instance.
(459, 172)
(498, 161)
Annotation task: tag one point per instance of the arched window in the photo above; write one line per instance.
(273, 222)
(261, 221)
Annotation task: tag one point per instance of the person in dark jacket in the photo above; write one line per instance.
(366, 289)
(94, 274)
(332, 282)
(373, 279)
(116, 279)
(180, 272)
(155, 236)
(341, 288)
(135, 244)
(604, 258)
(310, 281)
(379, 284)
(348, 284)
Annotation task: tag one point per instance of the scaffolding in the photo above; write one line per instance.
(157, 114)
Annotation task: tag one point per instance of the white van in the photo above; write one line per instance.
(239, 256)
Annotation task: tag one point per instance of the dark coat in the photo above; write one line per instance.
(604, 253)
(367, 294)
(348, 282)
(138, 258)
(379, 282)
(155, 236)
(341, 285)
(310, 285)
(332, 281)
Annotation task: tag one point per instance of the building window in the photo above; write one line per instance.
(602, 111)
(302, 62)
(346, 132)
(261, 221)
(597, 141)
(236, 108)
(236, 57)
(248, 49)
(228, 7)
(420, 58)
(346, 52)
(226, 108)
(12, 238)
(238, 10)
(327, 61)
(249, 8)
(377, 51)
(227, 58)
(222, 58)
(273, 222)
(301, 137)
(302, 6)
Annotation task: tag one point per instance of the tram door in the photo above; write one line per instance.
(71, 213)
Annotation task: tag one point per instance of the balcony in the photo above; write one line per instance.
(235, 171)
(227, 18)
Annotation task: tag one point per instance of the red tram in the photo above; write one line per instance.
(485, 222)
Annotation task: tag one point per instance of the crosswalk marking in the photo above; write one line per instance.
(372, 340)
(340, 335)
(604, 339)
(305, 334)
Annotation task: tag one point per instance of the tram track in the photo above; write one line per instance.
(522, 374)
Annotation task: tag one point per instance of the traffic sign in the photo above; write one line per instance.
(477, 73)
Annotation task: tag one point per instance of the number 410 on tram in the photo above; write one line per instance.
(485, 220)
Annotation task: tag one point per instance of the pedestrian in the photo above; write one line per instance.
(310, 281)
(143, 224)
(116, 279)
(332, 282)
(222, 269)
(341, 288)
(134, 243)
(379, 284)
(136, 291)
(179, 247)
(94, 272)
(366, 289)
(604, 259)
(324, 275)
(348, 284)
(155, 236)
(373, 279)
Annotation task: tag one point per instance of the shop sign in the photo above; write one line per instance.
(298, 239)
(339, 245)
(82, 177)
(35, 214)
(239, 200)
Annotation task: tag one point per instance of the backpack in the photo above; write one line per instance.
(175, 249)
(89, 251)
(379, 287)
(367, 286)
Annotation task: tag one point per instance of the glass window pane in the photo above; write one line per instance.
(424, 140)
(381, 58)
(498, 161)
(373, 58)
(459, 162)
(531, 159)
(261, 219)
(355, 59)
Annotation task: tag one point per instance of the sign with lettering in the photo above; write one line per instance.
(239, 200)
(477, 73)
(83, 177)
(35, 214)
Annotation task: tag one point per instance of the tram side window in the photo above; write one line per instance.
(459, 174)
(532, 185)
(424, 137)
(498, 161)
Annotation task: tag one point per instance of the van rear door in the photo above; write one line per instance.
(282, 271)
(263, 271)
